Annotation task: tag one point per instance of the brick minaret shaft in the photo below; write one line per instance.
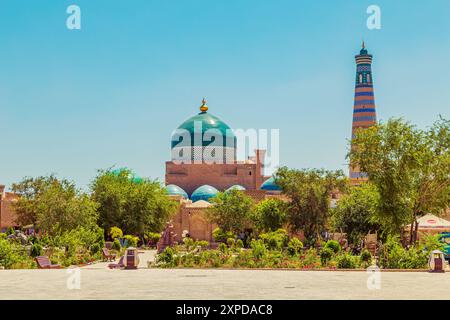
(364, 112)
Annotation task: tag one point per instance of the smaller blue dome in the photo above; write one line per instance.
(270, 185)
(174, 190)
(204, 192)
(236, 187)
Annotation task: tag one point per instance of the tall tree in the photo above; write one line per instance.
(53, 205)
(231, 210)
(134, 205)
(309, 191)
(355, 212)
(270, 214)
(410, 168)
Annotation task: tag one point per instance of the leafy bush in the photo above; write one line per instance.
(153, 237)
(239, 244)
(294, 247)
(202, 244)
(189, 243)
(3, 236)
(333, 245)
(115, 233)
(259, 250)
(365, 258)
(36, 250)
(131, 241)
(166, 259)
(116, 245)
(325, 255)
(231, 242)
(346, 261)
(275, 240)
(223, 248)
(220, 236)
(310, 259)
(7, 256)
(394, 256)
(95, 248)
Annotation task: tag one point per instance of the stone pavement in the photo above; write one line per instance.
(102, 283)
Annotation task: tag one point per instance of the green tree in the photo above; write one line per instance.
(53, 205)
(309, 191)
(231, 210)
(29, 190)
(136, 206)
(270, 214)
(355, 212)
(409, 167)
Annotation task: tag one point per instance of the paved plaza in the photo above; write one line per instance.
(98, 282)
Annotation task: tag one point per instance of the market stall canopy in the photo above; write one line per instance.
(430, 221)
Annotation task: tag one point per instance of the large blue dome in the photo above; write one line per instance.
(270, 185)
(190, 139)
(175, 190)
(204, 192)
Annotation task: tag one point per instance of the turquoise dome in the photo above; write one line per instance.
(269, 185)
(198, 138)
(175, 190)
(236, 187)
(204, 192)
(203, 138)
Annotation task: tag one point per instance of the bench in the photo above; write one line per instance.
(44, 262)
(108, 256)
(119, 265)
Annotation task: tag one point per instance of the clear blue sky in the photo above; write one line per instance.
(72, 102)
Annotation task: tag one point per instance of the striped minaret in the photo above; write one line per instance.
(364, 113)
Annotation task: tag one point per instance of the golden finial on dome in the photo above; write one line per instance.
(204, 107)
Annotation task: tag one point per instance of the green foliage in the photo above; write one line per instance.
(231, 211)
(116, 245)
(409, 168)
(270, 214)
(431, 242)
(365, 258)
(231, 242)
(3, 236)
(309, 191)
(53, 205)
(276, 240)
(259, 250)
(220, 236)
(394, 256)
(135, 208)
(36, 250)
(153, 237)
(95, 248)
(346, 261)
(333, 245)
(166, 259)
(325, 255)
(295, 246)
(223, 248)
(131, 241)
(115, 232)
(239, 244)
(14, 256)
(355, 213)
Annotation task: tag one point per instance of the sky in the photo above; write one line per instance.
(111, 93)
